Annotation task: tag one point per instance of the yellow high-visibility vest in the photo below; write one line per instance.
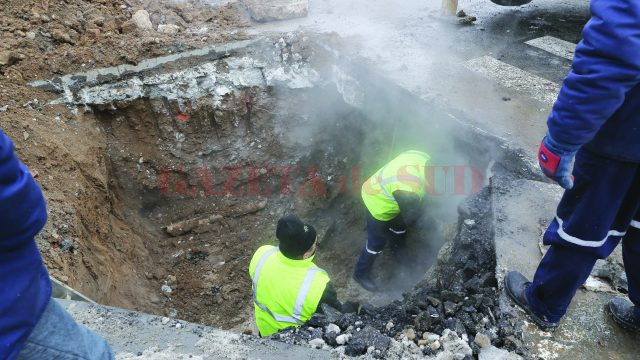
(286, 292)
(405, 172)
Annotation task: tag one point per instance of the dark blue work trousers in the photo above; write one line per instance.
(378, 234)
(601, 210)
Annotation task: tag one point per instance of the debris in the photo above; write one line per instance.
(168, 29)
(8, 58)
(467, 20)
(165, 320)
(248, 208)
(410, 334)
(333, 328)
(343, 339)
(270, 10)
(166, 289)
(185, 226)
(62, 36)
(469, 222)
(493, 353)
(461, 13)
(25, 135)
(142, 21)
(364, 338)
(316, 343)
(452, 342)
(482, 340)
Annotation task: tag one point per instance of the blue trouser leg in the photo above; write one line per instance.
(58, 336)
(560, 273)
(590, 221)
(377, 234)
(631, 257)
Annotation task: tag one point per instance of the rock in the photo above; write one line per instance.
(270, 10)
(141, 20)
(62, 36)
(435, 345)
(512, 343)
(332, 314)
(431, 337)
(469, 222)
(333, 328)
(317, 343)
(447, 355)
(482, 340)
(343, 339)
(493, 353)
(433, 301)
(330, 338)
(451, 342)
(31, 35)
(318, 320)
(171, 29)
(4, 108)
(165, 320)
(166, 289)
(8, 58)
(450, 308)
(389, 325)
(178, 326)
(93, 32)
(367, 337)
(410, 334)
(347, 319)
(423, 342)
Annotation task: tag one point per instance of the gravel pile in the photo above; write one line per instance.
(452, 314)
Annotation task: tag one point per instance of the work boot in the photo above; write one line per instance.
(365, 282)
(516, 286)
(624, 313)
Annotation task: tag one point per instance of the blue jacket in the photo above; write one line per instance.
(25, 288)
(599, 103)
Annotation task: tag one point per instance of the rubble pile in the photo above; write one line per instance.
(452, 314)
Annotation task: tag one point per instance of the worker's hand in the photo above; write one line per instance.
(555, 161)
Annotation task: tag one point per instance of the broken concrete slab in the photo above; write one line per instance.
(272, 10)
(522, 211)
(134, 335)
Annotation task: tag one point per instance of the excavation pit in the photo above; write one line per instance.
(205, 151)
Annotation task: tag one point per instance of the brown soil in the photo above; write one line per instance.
(89, 241)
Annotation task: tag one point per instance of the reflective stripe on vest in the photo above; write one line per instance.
(296, 317)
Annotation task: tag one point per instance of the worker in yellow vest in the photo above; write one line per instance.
(393, 197)
(287, 286)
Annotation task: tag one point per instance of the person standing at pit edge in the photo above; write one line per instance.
(596, 119)
(288, 287)
(393, 198)
(32, 324)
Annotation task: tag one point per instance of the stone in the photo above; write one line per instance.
(343, 339)
(431, 337)
(319, 320)
(8, 58)
(410, 334)
(316, 343)
(450, 308)
(435, 345)
(493, 353)
(271, 10)
(93, 32)
(452, 342)
(482, 340)
(31, 35)
(142, 21)
(4, 108)
(171, 29)
(62, 36)
(330, 338)
(166, 289)
(389, 325)
(365, 338)
(165, 320)
(333, 328)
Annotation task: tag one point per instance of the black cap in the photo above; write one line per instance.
(296, 237)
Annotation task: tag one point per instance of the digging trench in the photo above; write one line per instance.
(206, 151)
